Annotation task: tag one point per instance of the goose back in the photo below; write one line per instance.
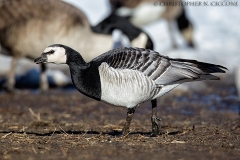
(18, 11)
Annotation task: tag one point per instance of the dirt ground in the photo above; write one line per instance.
(63, 124)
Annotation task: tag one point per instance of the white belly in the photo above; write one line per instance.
(125, 87)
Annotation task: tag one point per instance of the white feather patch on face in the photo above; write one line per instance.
(59, 56)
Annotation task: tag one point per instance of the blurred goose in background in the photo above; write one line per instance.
(27, 26)
(143, 12)
(113, 22)
(129, 76)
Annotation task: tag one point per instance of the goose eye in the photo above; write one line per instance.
(52, 51)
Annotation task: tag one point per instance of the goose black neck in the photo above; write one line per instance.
(73, 57)
(85, 76)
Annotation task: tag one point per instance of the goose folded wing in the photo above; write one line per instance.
(172, 71)
(163, 70)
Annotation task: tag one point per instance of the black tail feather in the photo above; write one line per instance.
(205, 67)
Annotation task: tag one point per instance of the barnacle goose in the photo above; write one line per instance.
(142, 12)
(27, 26)
(129, 76)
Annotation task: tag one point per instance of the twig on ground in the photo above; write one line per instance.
(4, 136)
(51, 135)
(63, 130)
(176, 141)
(34, 150)
(35, 115)
(84, 133)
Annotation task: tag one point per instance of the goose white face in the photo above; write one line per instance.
(55, 55)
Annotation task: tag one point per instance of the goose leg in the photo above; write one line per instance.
(155, 120)
(171, 32)
(130, 113)
(11, 75)
(43, 78)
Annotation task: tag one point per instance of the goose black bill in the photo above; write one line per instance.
(42, 59)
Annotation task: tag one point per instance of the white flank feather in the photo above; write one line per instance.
(125, 87)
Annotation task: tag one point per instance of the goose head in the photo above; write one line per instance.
(53, 54)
